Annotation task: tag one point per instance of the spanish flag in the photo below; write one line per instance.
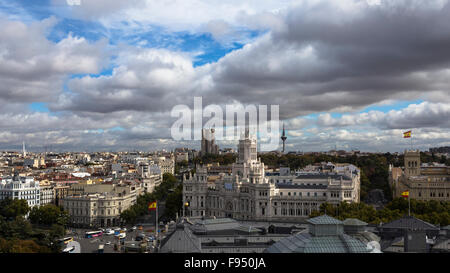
(152, 206)
(407, 134)
(405, 194)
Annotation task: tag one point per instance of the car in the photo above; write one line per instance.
(69, 249)
(134, 228)
(108, 243)
(121, 235)
(124, 229)
(111, 232)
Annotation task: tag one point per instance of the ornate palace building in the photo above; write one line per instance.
(247, 194)
(423, 181)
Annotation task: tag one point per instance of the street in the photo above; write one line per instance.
(90, 245)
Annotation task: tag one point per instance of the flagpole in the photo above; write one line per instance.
(409, 205)
(156, 225)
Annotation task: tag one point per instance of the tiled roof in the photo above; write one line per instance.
(306, 243)
(410, 222)
(181, 241)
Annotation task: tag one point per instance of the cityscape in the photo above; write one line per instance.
(224, 127)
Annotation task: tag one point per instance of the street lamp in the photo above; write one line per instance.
(186, 205)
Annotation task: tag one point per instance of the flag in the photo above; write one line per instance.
(405, 194)
(152, 206)
(407, 134)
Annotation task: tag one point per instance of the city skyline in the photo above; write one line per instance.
(104, 75)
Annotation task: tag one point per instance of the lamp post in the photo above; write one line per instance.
(186, 205)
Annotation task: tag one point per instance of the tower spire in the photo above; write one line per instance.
(23, 149)
(283, 138)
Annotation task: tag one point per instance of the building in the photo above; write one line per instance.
(247, 194)
(325, 235)
(208, 142)
(96, 207)
(47, 193)
(423, 181)
(223, 235)
(19, 187)
(151, 181)
(407, 234)
(166, 165)
(61, 191)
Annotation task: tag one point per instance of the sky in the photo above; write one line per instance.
(104, 75)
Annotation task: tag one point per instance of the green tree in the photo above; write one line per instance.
(48, 214)
(12, 208)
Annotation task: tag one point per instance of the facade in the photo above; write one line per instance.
(247, 194)
(47, 194)
(167, 165)
(208, 142)
(101, 209)
(61, 191)
(423, 181)
(19, 187)
(149, 183)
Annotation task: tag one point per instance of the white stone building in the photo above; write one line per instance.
(19, 187)
(99, 209)
(247, 194)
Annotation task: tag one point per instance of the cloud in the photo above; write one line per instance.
(423, 115)
(33, 68)
(314, 57)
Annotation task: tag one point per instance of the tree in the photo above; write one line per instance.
(48, 214)
(12, 208)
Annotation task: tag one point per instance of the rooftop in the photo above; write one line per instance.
(410, 222)
(324, 220)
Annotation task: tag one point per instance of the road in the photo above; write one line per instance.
(90, 245)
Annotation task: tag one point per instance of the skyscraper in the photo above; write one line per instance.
(208, 142)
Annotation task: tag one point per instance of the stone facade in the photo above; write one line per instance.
(90, 209)
(247, 194)
(423, 181)
(19, 187)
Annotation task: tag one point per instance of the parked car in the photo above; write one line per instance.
(69, 249)
(134, 228)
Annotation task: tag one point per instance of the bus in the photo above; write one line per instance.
(65, 240)
(91, 234)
